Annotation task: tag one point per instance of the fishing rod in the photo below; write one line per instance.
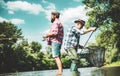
(87, 40)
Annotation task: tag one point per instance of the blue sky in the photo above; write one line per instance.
(33, 16)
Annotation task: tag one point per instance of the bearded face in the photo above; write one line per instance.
(52, 20)
(53, 17)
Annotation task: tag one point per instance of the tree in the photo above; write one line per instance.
(105, 14)
(28, 55)
(9, 34)
(35, 46)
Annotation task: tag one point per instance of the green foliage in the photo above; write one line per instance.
(48, 49)
(117, 63)
(83, 62)
(9, 34)
(105, 14)
(65, 60)
(99, 13)
(28, 57)
(35, 46)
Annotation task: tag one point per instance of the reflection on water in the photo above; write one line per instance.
(66, 72)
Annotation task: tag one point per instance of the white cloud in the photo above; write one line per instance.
(31, 8)
(10, 12)
(77, 0)
(51, 7)
(17, 21)
(48, 8)
(14, 21)
(25, 6)
(3, 19)
(44, 1)
(69, 15)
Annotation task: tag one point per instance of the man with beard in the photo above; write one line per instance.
(55, 38)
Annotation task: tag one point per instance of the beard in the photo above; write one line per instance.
(52, 20)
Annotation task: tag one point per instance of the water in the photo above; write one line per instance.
(66, 72)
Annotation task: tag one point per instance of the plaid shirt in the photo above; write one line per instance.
(72, 37)
(57, 30)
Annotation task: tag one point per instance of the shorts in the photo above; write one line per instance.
(56, 49)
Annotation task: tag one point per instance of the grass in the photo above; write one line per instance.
(113, 64)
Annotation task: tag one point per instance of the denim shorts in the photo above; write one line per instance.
(56, 49)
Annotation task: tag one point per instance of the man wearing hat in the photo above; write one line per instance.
(55, 38)
(71, 42)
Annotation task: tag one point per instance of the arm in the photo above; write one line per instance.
(76, 30)
(49, 35)
(89, 30)
(53, 32)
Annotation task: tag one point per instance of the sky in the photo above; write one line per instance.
(33, 16)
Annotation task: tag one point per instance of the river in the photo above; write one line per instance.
(66, 72)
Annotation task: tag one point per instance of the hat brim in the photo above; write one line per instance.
(80, 22)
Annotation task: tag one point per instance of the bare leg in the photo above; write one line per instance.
(59, 65)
